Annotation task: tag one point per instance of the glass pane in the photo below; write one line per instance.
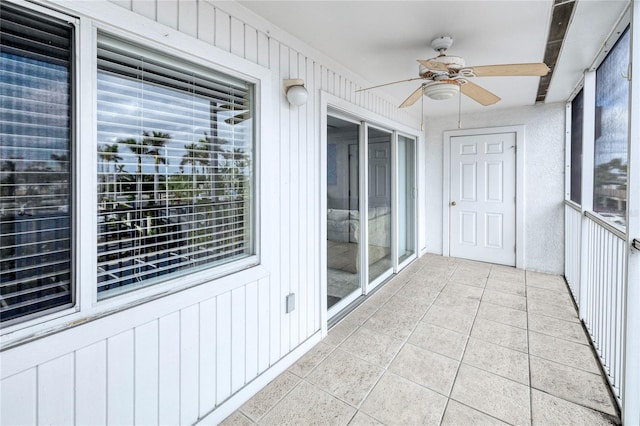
(35, 179)
(577, 111)
(406, 198)
(379, 211)
(175, 170)
(611, 134)
(343, 205)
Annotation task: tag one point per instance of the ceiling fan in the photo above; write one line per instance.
(446, 76)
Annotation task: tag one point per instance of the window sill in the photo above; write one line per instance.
(192, 289)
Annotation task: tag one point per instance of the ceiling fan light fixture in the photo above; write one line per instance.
(441, 90)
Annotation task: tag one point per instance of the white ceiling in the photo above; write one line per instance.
(381, 40)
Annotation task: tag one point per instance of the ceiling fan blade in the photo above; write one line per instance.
(508, 70)
(433, 65)
(388, 84)
(412, 98)
(479, 94)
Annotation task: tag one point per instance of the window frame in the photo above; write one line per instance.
(588, 85)
(569, 152)
(623, 28)
(87, 21)
(74, 24)
(173, 65)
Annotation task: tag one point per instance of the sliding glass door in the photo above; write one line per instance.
(343, 211)
(379, 217)
(370, 181)
(406, 198)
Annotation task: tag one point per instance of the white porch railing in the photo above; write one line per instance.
(572, 247)
(603, 301)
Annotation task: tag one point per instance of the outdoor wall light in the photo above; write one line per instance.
(296, 92)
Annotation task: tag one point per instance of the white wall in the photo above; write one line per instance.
(175, 359)
(544, 178)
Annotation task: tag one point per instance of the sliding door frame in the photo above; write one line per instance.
(331, 105)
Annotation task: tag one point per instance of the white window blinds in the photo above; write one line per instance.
(175, 167)
(35, 180)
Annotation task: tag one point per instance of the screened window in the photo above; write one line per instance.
(175, 168)
(612, 133)
(577, 111)
(35, 180)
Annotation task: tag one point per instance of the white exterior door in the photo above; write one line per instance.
(482, 199)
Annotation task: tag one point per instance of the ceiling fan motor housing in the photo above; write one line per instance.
(442, 43)
(452, 63)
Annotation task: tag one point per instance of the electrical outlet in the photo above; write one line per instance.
(290, 301)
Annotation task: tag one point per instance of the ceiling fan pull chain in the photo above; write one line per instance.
(422, 113)
(460, 110)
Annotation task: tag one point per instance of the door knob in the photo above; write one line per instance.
(453, 203)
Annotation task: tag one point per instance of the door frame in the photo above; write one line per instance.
(519, 131)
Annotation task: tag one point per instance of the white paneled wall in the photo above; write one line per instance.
(172, 370)
(175, 359)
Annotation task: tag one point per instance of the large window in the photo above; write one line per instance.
(577, 111)
(35, 151)
(612, 133)
(174, 168)
(174, 146)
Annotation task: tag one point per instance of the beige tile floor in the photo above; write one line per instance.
(447, 341)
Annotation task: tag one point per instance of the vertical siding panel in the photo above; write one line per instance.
(207, 356)
(250, 44)
(325, 80)
(146, 374)
(263, 49)
(18, 396)
(167, 11)
(252, 321)
(56, 391)
(222, 30)
(238, 333)
(317, 77)
(189, 351)
(294, 200)
(206, 22)
(237, 37)
(332, 83)
(285, 206)
(305, 201)
(169, 369)
(91, 384)
(120, 386)
(278, 276)
(264, 322)
(352, 91)
(188, 17)
(223, 347)
(145, 8)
